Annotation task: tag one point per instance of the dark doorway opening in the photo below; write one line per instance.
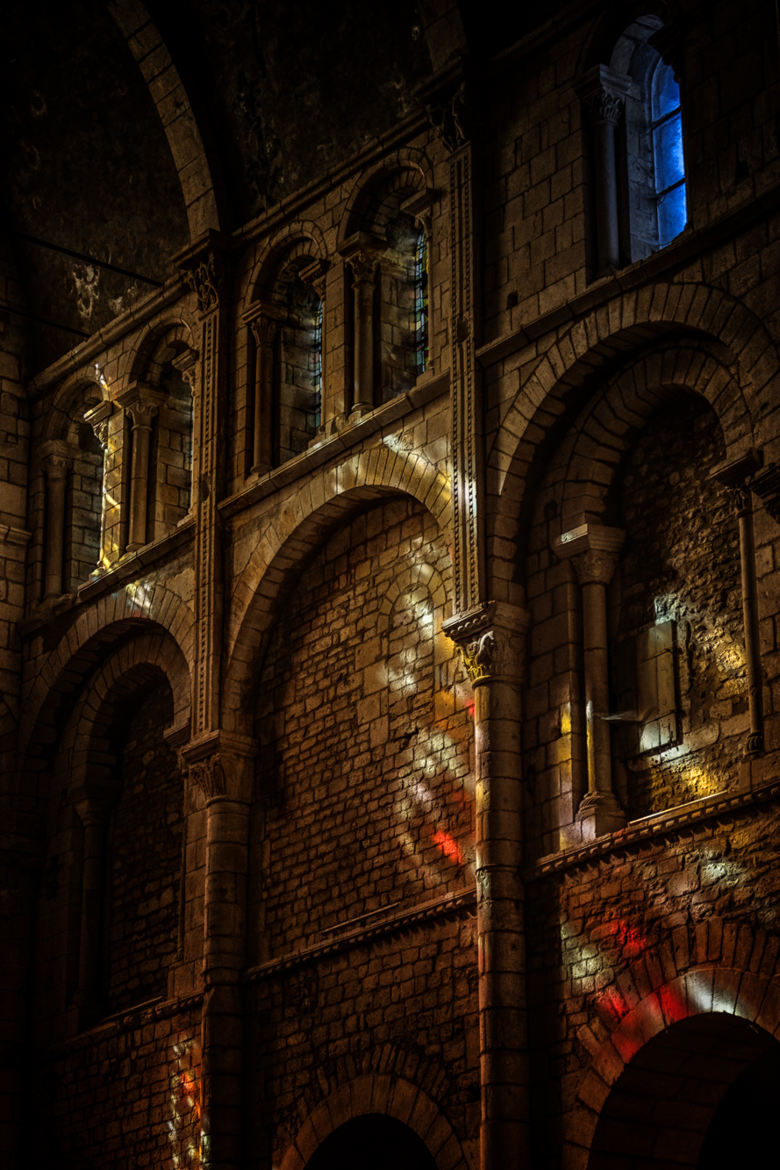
(697, 1096)
(372, 1142)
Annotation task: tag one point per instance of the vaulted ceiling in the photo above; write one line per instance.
(129, 127)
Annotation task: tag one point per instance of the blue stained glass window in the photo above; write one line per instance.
(666, 128)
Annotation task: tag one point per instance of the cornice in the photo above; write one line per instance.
(656, 827)
(451, 905)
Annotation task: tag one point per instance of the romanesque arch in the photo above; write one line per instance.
(392, 1095)
(307, 517)
(604, 336)
(151, 607)
(175, 113)
(726, 1012)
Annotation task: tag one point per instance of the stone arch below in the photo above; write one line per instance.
(387, 1095)
(146, 657)
(140, 607)
(594, 345)
(602, 436)
(291, 537)
(742, 1005)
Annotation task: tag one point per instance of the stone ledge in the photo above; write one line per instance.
(691, 244)
(658, 825)
(439, 908)
(130, 568)
(351, 435)
(132, 1017)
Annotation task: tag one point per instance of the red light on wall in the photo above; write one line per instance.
(448, 846)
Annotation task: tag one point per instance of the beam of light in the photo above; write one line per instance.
(139, 595)
(184, 1125)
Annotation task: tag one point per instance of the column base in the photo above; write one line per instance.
(599, 813)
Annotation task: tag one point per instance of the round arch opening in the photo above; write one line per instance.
(372, 1141)
(700, 1095)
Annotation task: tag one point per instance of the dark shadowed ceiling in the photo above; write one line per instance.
(279, 92)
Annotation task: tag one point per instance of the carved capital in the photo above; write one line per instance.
(766, 485)
(187, 365)
(205, 270)
(604, 93)
(222, 766)
(262, 319)
(141, 403)
(491, 639)
(315, 275)
(745, 474)
(448, 117)
(98, 418)
(593, 549)
(362, 252)
(420, 207)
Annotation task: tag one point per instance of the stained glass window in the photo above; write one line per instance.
(666, 131)
(421, 302)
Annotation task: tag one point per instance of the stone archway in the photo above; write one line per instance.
(697, 1095)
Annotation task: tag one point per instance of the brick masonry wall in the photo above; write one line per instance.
(679, 563)
(144, 859)
(404, 1005)
(364, 782)
(126, 1093)
(605, 934)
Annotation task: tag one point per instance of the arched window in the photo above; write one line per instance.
(421, 301)
(284, 361)
(639, 199)
(668, 161)
(388, 309)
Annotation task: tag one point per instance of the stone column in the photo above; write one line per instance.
(316, 276)
(141, 404)
(594, 550)
(736, 475)
(57, 462)
(223, 766)
(187, 365)
(492, 641)
(263, 320)
(205, 267)
(604, 93)
(99, 418)
(362, 254)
